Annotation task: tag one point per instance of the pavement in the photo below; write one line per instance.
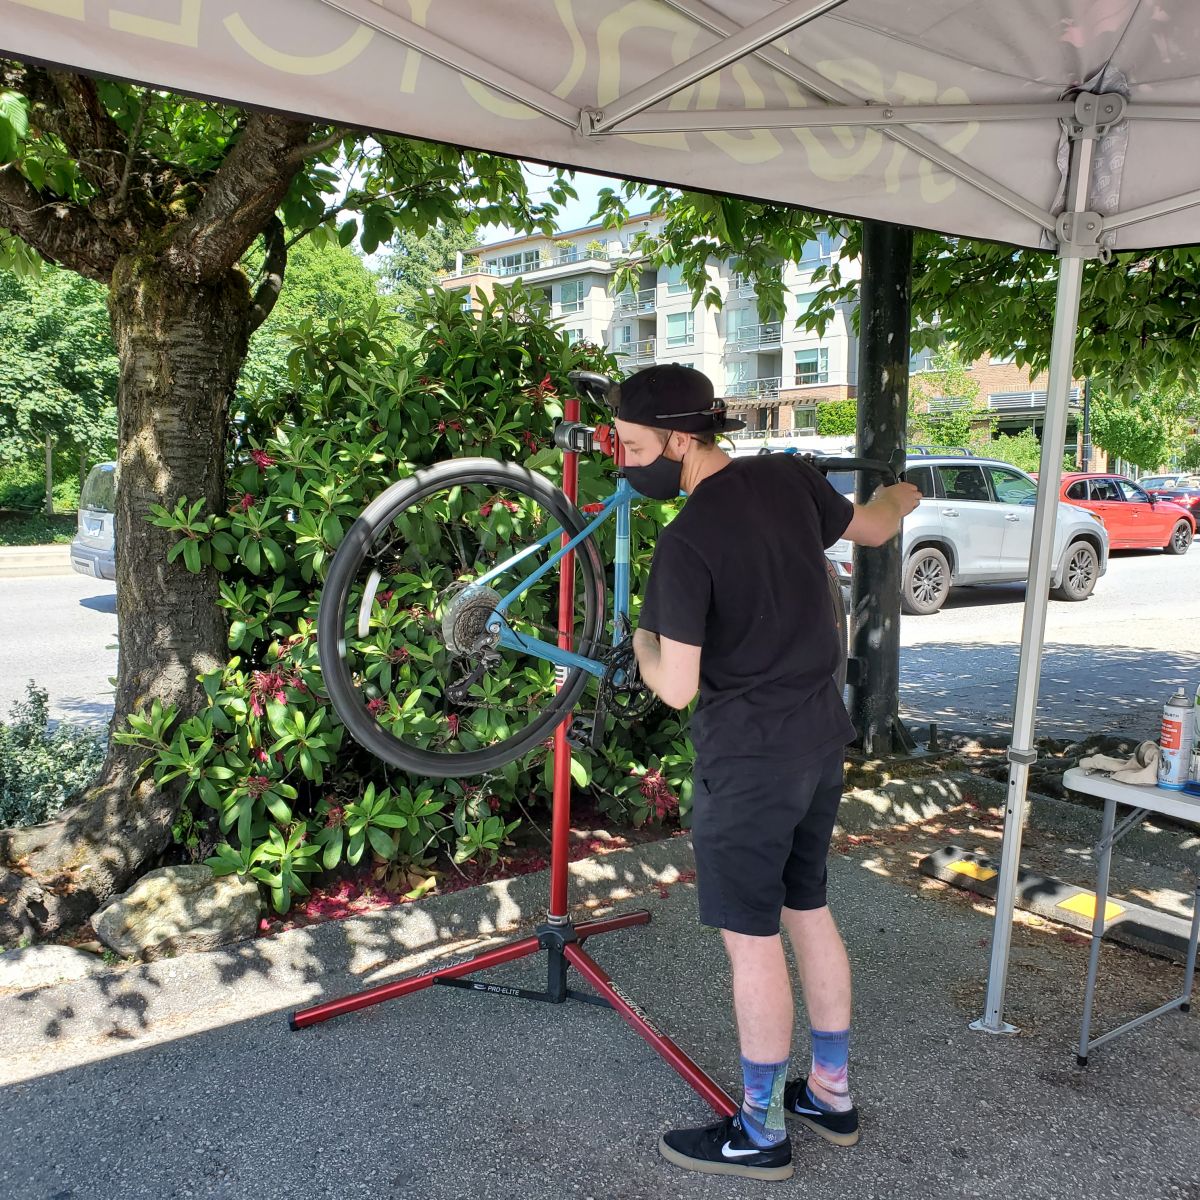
(1109, 665)
(182, 1078)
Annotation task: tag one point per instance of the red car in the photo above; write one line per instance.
(1135, 519)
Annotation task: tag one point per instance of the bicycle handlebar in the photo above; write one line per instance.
(827, 463)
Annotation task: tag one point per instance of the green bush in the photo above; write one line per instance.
(837, 418)
(1021, 449)
(23, 487)
(42, 770)
(274, 788)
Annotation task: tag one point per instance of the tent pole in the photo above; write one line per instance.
(1079, 238)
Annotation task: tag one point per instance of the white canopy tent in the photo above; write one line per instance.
(1069, 125)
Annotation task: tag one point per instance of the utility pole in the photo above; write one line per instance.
(885, 314)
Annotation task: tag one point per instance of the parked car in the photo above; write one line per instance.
(1153, 483)
(1135, 520)
(93, 552)
(975, 526)
(1185, 497)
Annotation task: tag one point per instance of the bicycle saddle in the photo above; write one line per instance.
(591, 385)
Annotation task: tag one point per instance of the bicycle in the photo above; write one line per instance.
(465, 652)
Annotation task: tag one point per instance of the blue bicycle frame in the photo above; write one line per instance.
(619, 502)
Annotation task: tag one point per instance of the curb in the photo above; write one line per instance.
(32, 561)
(1131, 924)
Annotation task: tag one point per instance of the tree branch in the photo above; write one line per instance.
(61, 232)
(131, 153)
(273, 270)
(320, 145)
(91, 135)
(240, 198)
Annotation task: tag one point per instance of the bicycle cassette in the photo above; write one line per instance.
(466, 610)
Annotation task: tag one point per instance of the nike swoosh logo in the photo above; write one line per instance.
(727, 1151)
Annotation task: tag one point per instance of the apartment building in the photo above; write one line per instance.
(773, 373)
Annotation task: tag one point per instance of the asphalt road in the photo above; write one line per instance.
(61, 632)
(1110, 661)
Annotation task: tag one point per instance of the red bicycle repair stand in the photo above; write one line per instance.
(559, 936)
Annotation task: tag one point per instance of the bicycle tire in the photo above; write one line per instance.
(348, 559)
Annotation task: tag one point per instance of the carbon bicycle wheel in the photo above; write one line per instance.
(402, 625)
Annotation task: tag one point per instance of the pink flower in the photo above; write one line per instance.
(376, 705)
(268, 686)
(262, 459)
(247, 501)
(257, 784)
(452, 721)
(398, 655)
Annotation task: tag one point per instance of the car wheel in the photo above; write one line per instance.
(926, 582)
(1080, 573)
(1181, 539)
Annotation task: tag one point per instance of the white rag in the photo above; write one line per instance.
(1140, 768)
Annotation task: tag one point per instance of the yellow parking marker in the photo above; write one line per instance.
(973, 870)
(1084, 903)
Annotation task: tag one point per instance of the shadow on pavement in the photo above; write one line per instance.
(1084, 689)
(103, 604)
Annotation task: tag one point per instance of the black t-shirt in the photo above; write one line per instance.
(741, 573)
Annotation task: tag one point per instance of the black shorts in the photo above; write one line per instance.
(761, 831)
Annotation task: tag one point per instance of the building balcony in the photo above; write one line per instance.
(643, 301)
(636, 352)
(757, 337)
(741, 286)
(753, 389)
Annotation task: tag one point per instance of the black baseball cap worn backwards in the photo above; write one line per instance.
(671, 396)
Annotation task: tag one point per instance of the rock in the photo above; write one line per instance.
(176, 910)
(37, 966)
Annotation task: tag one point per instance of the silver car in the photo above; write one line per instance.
(975, 526)
(93, 552)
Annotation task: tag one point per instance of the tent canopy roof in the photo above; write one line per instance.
(942, 114)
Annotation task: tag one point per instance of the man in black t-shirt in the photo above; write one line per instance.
(738, 607)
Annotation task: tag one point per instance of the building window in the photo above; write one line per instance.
(570, 295)
(622, 335)
(672, 277)
(1003, 360)
(804, 300)
(818, 252)
(804, 418)
(681, 329)
(920, 361)
(737, 319)
(464, 298)
(812, 366)
(573, 336)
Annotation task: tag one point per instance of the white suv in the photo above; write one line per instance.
(975, 526)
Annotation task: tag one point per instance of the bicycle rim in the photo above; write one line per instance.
(402, 606)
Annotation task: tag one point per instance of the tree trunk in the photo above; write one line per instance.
(181, 346)
(49, 476)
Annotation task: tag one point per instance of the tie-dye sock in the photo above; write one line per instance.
(762, 1108)
(829, 1078)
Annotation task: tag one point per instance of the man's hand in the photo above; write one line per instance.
(879, 521)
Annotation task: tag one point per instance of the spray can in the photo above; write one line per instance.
(1175, 743)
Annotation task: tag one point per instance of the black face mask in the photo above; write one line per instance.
(658, 480)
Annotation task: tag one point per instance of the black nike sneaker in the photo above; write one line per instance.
(840, 1128)
(726, 1149)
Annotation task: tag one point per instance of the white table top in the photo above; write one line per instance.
(1180, 805)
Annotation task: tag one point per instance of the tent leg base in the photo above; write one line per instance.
(982, 1026)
